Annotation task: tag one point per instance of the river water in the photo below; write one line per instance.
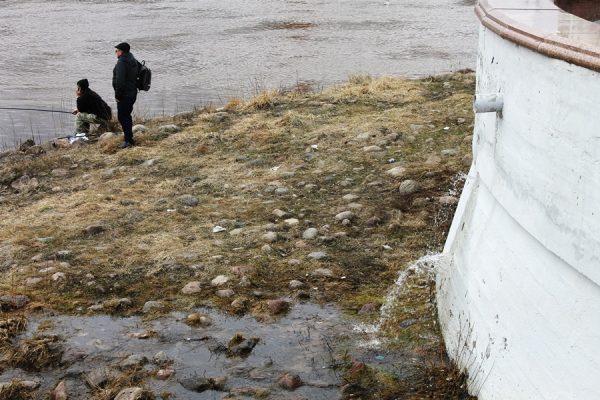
(205, 52)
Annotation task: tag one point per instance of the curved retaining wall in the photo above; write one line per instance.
(519, 299)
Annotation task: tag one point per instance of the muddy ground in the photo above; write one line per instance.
(286, 218)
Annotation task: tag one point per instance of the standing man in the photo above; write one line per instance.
(125, 84)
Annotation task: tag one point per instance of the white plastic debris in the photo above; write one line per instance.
(218, 229)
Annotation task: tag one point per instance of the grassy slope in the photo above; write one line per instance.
(149, 253)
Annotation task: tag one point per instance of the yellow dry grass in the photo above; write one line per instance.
(314, 145)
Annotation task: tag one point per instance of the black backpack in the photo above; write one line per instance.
(144, 77)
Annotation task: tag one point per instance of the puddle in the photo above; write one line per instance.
(302, 343)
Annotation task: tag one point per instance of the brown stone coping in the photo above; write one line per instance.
(542, 26)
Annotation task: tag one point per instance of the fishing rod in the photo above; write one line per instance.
(35, 109)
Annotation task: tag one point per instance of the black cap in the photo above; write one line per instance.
(123, 46)
(83, 84)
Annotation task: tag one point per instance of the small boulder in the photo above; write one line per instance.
(150, 306)
(349, 215)
(188, 200)
(318, 255)
(408, 187)
(170, 128)
(396, 172)
(310, 234)
(192, 288)
(278, 306)
(219, 280)
(322, 273)
(270, 237)
(289, 382)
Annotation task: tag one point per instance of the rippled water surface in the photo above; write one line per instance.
(208, 51)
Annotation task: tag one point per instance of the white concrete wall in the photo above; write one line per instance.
(519, 301)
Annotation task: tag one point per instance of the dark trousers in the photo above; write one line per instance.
(124, 110)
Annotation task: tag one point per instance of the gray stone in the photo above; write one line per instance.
(139, 128)
(93, 230)
(170, 128)
(195, 383)
(280, 213)
(408, 187)
(150, 306)
(131, 393)
(310, 234)
(372, 149)
(318, 255)
(59, 276)
(396, 171)
(106, 136)
(350, 197)
(295, 284)
(219, 280)
(13, 302)
(449, 152)
(160, 358)
(192, 288)
(322, 273)
(133, 361)
(151, 162)
(349, 215)
(270, 237)
(280, 191)
(225, 293)
(188, 200)
(448, 200)
(59, 172)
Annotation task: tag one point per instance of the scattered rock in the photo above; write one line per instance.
(160, 358)
(318, 255)
(59, 276)
(150, 306)
(369, 308)
(290, 382)
(195, 383)
(151, 162)
(93, 230)
(280, 213)
(270, 237)
(349, 215)
(164, 374)
(396, 172)
(277, 307)
(13, 302)
(133, 393)
(59, 172)
(310, 234)
(295, 284)
(170, 128)
(448, 200)
(240, 346)
(322, 273)
(25, 184)
(219, 280)
(198, 319)
(188, 200)
(408, 323)
(292, 221)
(192, 288)
(350, 197)
(98, 377)
(106, 136)
(59, 392)
(408, 187)
(32, 281)
(280, 191)
(225, 293)
(139, 128)
(372, 149)
(133, 361)
(449, 152)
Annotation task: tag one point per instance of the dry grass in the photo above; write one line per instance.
(15, 390)
(151, 244)
(36, 353)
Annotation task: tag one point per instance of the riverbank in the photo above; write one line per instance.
(252, 210)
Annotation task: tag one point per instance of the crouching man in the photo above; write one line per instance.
(91, 109)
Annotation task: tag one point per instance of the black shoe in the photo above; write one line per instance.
(125, 145)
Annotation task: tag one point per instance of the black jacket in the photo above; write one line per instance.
(125, 76)
(90, 102)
